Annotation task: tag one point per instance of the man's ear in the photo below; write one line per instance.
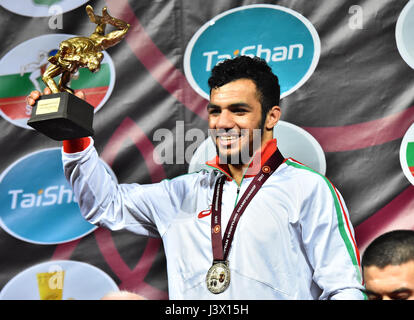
(272, 117)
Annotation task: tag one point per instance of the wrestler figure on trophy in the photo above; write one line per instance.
(62, 115)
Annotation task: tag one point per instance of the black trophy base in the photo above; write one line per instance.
(62, 116)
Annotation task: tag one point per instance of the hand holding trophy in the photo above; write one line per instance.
(63, 115)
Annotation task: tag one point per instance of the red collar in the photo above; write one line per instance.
(263, 155)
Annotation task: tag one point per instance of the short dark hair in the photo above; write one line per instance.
(392, 248)
(255, 69)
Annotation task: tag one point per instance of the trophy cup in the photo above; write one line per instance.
(62, 115)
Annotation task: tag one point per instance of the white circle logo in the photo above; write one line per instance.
(404, 34)
(41, 8)
(37, 204)
(284, 38)
(407, 154)
(59, 280)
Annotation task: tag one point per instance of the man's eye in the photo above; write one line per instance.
(400, 296)
(374, 297)
(213, 111)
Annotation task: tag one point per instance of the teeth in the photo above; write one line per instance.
(228, 138)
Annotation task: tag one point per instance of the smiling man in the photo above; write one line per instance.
(257, 226)
(242, 111)
(234, 115)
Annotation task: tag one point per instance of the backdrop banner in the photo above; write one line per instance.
(347, 87)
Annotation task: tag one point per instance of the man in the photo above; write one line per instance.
(288, 233)
(388, 265)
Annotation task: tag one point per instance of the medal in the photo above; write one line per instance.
(218, 277)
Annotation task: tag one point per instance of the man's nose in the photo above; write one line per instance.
(225, 120)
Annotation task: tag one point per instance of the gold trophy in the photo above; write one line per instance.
(62, 115)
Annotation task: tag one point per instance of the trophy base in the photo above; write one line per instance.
(62, 116)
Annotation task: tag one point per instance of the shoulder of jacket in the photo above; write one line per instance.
(298, 170)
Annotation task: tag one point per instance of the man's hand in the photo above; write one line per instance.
(34, 95)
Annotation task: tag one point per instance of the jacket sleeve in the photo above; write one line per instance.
(329, 241)
(143, 209)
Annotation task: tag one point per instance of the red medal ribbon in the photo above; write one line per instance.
(221, 246)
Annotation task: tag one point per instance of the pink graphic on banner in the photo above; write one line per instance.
(65, 250)
(128, 130)
(131, 280)
(363, 135)
(397, 214)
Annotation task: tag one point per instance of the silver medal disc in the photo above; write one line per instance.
(218, 277)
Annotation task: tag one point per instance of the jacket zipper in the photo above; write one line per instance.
(238, 191)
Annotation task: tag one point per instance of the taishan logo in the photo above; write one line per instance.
(293, 51)
(37, 204)
(52, 195)
(281, 36)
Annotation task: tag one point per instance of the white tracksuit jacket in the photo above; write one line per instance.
(294, 241)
